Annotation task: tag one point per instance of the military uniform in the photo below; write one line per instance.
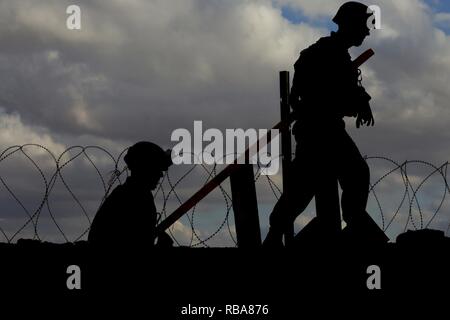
(127, 217)
(325, 89)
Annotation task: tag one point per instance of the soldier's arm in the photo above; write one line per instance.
(346, 92)
(360, 106)
(301, 83)
(329, 82)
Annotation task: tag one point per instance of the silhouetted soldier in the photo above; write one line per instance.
(325, 89)
(128, 215)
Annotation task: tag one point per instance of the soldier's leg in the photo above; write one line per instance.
(354, 178)
(286, 210)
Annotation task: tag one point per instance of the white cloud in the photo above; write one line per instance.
(442, 17)
(313, 9)
(13, 132)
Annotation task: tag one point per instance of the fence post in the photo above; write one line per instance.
(286, 148)
(245, 207)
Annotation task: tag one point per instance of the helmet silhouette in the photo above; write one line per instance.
(352, 14)
(146, 154)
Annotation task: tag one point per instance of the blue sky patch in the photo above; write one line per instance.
(443, 7)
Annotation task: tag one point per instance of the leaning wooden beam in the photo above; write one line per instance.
(211, 185)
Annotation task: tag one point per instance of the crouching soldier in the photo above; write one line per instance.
(128, 216)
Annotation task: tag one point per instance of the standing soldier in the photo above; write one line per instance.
(326, 88)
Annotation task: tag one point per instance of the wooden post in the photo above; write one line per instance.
(245, 207)
(286, 148)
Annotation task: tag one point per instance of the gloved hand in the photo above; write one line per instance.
(365, 116)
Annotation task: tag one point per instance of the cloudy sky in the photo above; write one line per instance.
(137, 70)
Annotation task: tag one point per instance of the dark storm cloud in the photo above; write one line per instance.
(159, 65)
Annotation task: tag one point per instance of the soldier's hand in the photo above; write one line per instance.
(365, 117)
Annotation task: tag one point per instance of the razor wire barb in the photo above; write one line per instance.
(116, 175)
